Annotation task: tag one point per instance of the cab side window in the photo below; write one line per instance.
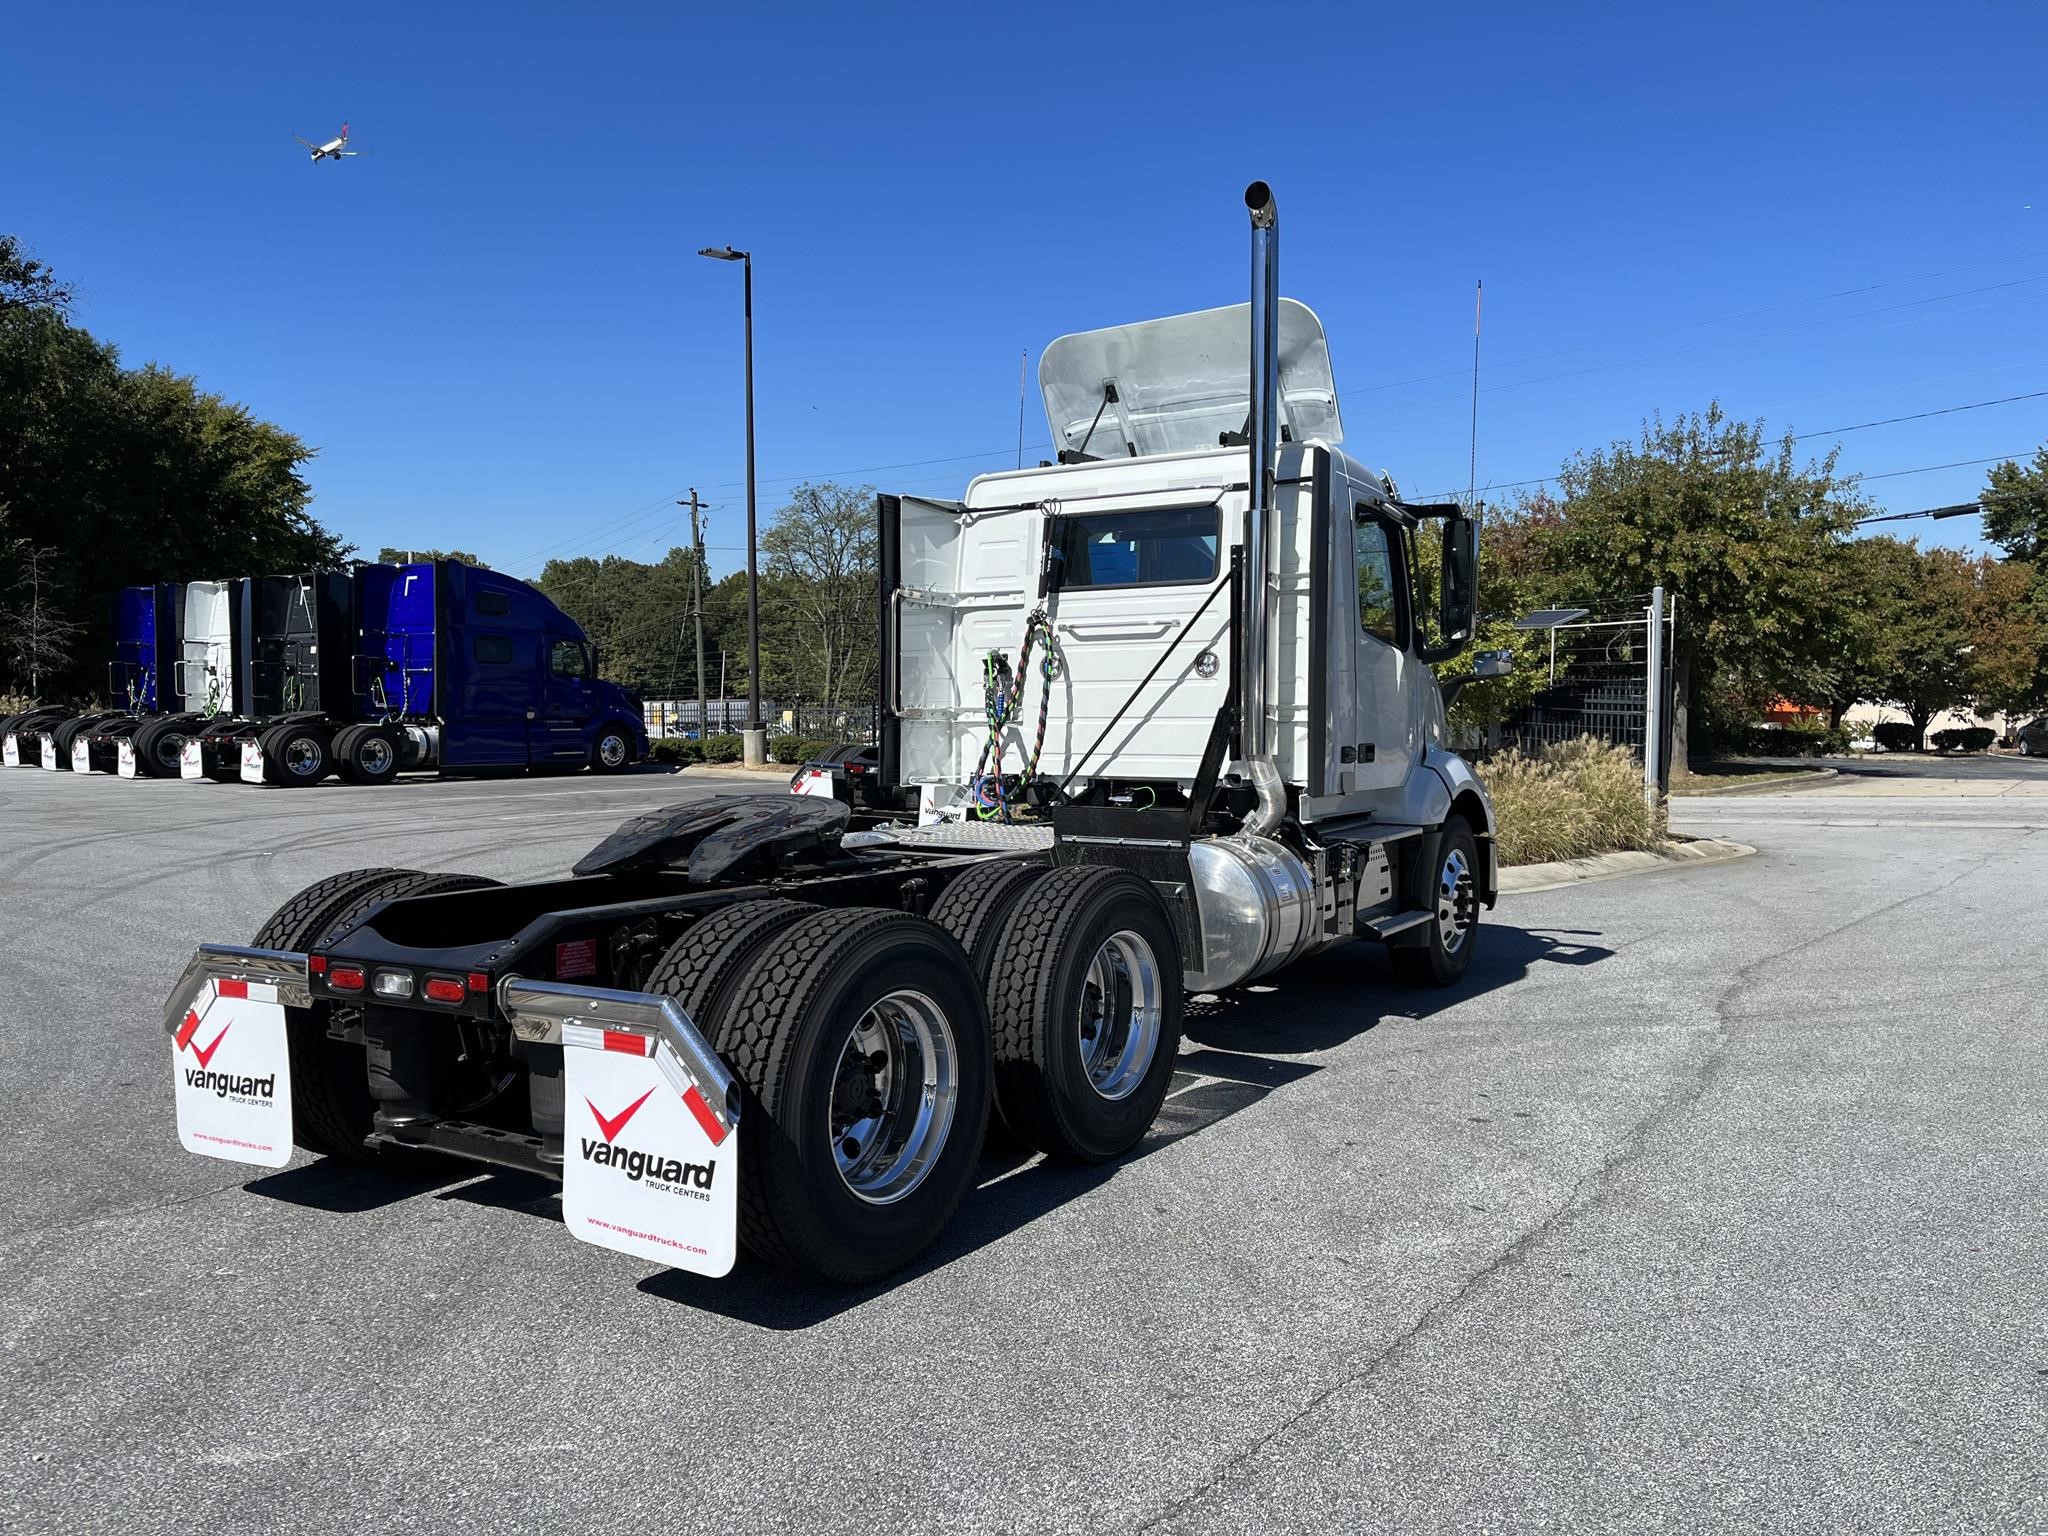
(567, 660)
(1379, 574)
(492, 650)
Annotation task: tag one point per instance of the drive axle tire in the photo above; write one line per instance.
(331, 1103)
(862, 1043)
(159, 744)
(1085, 1005)
(701, 968)
(1451, 890)
(973, 908)
(296, 756)
(367, 754)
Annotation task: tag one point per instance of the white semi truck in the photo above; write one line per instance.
(1166, 712)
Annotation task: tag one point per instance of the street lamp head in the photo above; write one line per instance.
(725, 254)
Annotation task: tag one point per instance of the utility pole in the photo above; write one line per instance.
(697, 579)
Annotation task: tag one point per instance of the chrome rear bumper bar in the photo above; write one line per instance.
(279, 968)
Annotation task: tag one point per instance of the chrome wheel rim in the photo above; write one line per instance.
(611, 750)
(895, 1088)
(374, 755)
(1120, 1008)
(170, 750)
(1456, 903)
(303, 757)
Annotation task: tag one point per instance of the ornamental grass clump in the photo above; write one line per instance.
(1570, 800)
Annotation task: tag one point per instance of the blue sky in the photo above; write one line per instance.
(497, 333)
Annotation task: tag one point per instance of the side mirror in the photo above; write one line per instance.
(1459, 598)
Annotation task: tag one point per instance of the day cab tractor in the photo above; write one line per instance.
(1167, 714)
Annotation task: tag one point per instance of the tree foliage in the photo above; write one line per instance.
(1739, 533)
(392, 555)
(1960, 633)
(130, 475)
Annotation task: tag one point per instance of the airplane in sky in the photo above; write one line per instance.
(333, 149)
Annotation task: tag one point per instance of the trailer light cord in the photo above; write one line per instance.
(1002, 689)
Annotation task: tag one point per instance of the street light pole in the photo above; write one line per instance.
(754, 739)
(697, 584)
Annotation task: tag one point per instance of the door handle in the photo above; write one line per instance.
(1103, 629)
(529, 714)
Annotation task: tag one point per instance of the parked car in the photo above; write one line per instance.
(2032, 738)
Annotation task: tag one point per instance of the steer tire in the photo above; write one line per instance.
(1041, 996)
(701, 968)
(974, 906)
(1447, 939)
(783, 1037)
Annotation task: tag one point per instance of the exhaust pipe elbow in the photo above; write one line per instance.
(1258, 200)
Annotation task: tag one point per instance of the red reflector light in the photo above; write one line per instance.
(346, 978)
(479, 982)
(317, 964)
(443, 989)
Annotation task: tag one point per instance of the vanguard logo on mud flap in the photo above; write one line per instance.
(669, 1173)
(220, 1084)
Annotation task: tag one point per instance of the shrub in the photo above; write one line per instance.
(1969, 738)
(721, 749)
(1810, 739)
(1574, 799)
(1895, 736)
(675, 749)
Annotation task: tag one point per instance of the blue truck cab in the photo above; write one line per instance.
(464, 670)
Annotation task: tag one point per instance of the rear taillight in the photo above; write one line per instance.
(479, 982)
(345, 978)
(443, 989)
(317, 964)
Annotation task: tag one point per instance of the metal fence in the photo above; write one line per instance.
(1599, 671)
(680, 717)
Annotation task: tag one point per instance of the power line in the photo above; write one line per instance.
(1947, 410)
(1693, 325)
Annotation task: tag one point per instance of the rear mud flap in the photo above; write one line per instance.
(124, 758)
(10, 752)
(232, 1073)
(192, 761)
(81, 754)
(252, 762)
(49, 752)
(647, 1168)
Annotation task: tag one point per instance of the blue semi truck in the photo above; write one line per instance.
(142, 686)
(364, 673)
(390, 668)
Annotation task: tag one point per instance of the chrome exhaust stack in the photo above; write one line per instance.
(1264, 449)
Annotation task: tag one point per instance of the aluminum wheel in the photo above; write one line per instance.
(304, 757)
(1457, 903)
(894, 1093)
(611, 750)
(1119, 1022)
(373, 756)
(170, 750)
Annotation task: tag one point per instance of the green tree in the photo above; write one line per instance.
(132, 475)
(391, 555)
(1962, 635)
(1740, 534)
(820, 554)
(2015, 501)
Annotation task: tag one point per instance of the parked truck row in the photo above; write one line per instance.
(364, 673)
(1166, 713)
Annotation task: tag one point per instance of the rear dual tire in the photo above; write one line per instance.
(1085, 1008)
(861, 1043)
(332, 1110)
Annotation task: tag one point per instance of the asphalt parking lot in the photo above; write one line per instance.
(1711, 1200)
